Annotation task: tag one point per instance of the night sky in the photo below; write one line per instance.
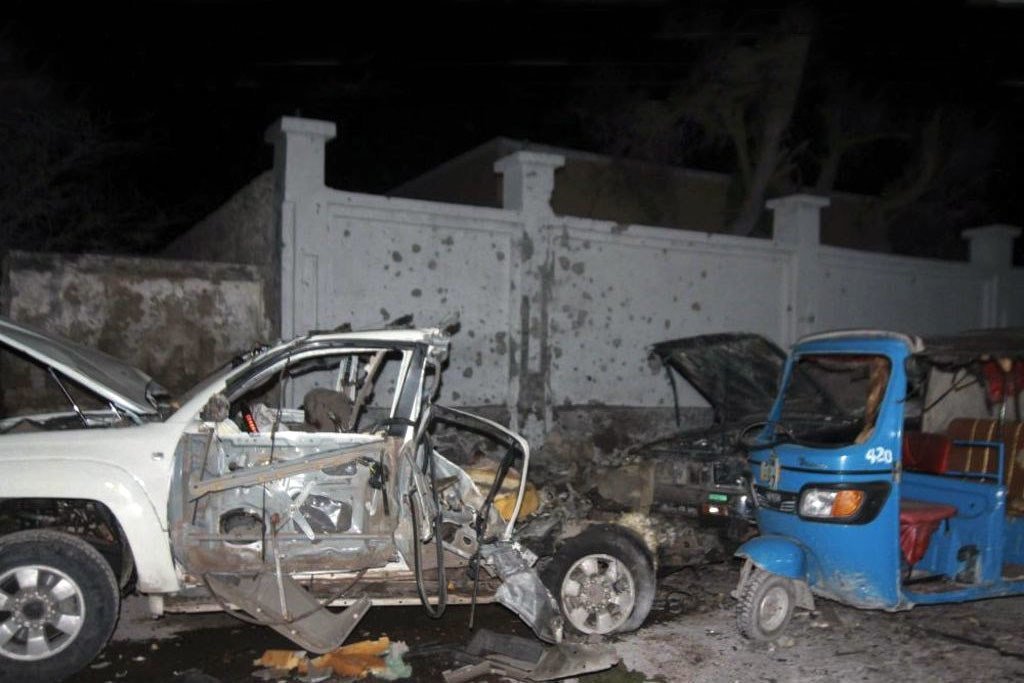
(189, 87)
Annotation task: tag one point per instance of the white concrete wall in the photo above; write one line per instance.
(618, 289)
(378, 259)
(915, 295)
(559, 311)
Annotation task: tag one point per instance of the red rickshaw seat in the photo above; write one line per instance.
(918, 521)
(926, 452)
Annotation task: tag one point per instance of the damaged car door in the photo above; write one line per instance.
(269, 491)
(293, 478)
(348, 483)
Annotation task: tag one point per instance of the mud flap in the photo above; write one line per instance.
(523, 592)
(282, 604)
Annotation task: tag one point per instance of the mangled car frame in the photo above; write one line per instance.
(678, 500)
(296, 477)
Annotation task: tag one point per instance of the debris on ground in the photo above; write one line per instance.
(688, 591)
(620, 674)
(526, 659)
(379, 657)
(484, 470)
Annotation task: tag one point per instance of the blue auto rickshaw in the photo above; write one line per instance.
(889, 473)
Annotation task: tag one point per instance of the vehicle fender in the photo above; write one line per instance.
(777, 555)
(114, 487)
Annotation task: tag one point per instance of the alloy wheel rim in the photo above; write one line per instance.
(42, 611)
(598, 593)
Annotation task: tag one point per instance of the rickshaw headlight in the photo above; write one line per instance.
(831, 503)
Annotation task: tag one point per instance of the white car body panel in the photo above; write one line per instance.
(116, 467)
(265, 471)
(128, 469)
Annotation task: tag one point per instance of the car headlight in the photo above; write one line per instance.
(825, 503)
(844, 503)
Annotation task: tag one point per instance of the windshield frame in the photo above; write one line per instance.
(858, 391)
(889, 422)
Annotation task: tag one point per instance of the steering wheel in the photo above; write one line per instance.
(748, 438)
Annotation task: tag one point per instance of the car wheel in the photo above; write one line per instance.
(59, 603)
(603, 580)
(765, 606)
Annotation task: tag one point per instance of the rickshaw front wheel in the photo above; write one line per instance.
(765, 605)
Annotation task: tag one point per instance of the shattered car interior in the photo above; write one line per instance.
(295, 478)
(347, 483)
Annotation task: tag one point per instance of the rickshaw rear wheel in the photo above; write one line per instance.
(765, 606)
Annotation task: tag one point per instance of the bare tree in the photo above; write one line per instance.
(62, 181)
(854, 118)
(765, 155)
(740, 95)
(944, 183)
(786, 124)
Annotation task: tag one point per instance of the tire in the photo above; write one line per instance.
(59, 603)
(765, 606)
(603, 581)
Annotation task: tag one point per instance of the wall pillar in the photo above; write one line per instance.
(528, 180)
(991, 250)
(299, 156)
(796, 225)
(299, 153)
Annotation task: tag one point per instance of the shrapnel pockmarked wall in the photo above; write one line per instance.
(557, 311)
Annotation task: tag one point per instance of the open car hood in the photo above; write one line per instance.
(738, 374)
(114, 380)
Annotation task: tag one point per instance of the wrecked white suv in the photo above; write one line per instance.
(296, 477)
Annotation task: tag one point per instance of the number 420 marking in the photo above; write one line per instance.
(879, 454)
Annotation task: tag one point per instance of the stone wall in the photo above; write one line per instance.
(242, 230)
(175, 320)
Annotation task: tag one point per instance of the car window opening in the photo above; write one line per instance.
(856, 384)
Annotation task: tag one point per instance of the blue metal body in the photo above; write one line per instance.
(860, 563)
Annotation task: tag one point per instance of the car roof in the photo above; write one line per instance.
(958, 347)
(913, 342)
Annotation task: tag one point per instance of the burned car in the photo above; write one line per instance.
(700, 471)
(680, 500)
(294, 478)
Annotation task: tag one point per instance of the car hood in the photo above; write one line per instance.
(116, 381)
(738, 374)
